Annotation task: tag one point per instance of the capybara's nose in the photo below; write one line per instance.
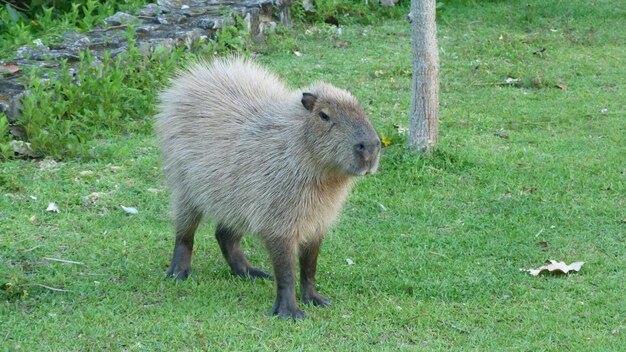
(367, 151)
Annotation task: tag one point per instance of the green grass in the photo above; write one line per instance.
(439, 270)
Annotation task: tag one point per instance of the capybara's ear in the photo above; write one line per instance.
(308, 100)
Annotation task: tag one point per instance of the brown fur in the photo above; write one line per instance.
(241, 148)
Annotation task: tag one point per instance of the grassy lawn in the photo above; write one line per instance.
(524, 172)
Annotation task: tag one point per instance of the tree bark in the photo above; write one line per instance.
(424, 119)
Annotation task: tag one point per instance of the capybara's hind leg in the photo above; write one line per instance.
(186, 222)
(230, 244)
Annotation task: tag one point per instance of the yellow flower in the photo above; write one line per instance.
(386, 141)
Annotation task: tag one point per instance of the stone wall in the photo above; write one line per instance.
(166, 23)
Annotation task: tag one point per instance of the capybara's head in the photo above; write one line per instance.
(339, 135)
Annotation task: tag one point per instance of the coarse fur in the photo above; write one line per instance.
(243, 149)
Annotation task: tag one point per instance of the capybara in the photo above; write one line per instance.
(241, 148)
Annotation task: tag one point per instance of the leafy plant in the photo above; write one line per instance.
(232, 37)
(65, 115)
(351, 11)
(6, 150)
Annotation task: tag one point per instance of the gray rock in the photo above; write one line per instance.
(206, 23)
(11, 94)
(160, 28)
(118, 51)
(171, 4)
(162, 20)
(121, 18)
(166, 45)
(150, 10)
(145, 48)
(147, 30)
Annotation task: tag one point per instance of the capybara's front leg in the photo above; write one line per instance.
(308, 267)
(283, 255)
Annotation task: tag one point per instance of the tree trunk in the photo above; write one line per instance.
(424, 120)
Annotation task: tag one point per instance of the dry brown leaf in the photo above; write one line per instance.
(9, 68)
(556, 267)
(562, 86)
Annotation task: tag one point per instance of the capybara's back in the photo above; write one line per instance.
(241, 148)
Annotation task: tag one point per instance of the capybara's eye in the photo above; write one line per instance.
(324, 117)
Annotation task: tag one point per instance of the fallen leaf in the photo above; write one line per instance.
(341, 44)
(52, 207)
(379, 73)
(556, 267)
(401, 129)
(130, 210)
(502, 134)
(349, 261)
(381, 207)
(114, 168)
(9, 68)
(539, 52)
(297, 53)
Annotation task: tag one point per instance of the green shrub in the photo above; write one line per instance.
(6, 150)
(50, 17)
(65, 115)
(348, 11)
(70, 112)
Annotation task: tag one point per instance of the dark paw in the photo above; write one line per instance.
(178, 274)
(286, 313)
(315, 299)
(255, 273)
(252, 273)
